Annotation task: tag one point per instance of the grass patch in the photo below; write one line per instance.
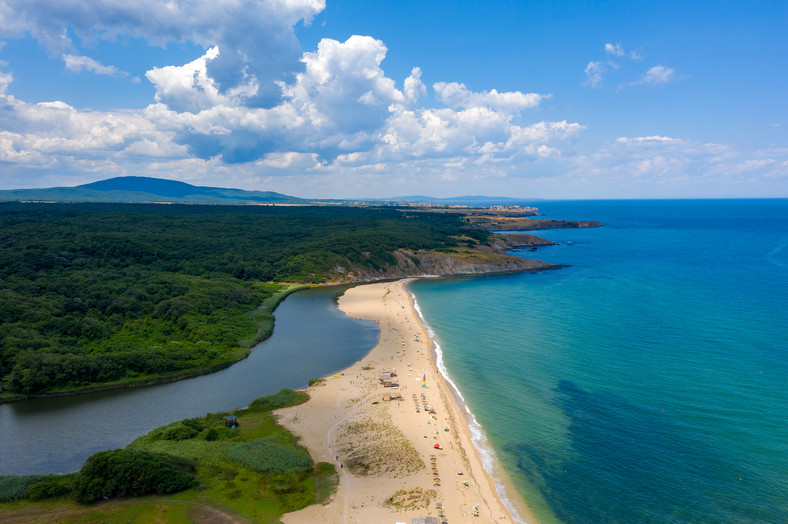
(416, 498)
(271, 455)
(257, 471)
(376, 448)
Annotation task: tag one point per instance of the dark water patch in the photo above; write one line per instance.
(627, 464)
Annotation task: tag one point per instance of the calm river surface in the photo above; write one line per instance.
(312, 338)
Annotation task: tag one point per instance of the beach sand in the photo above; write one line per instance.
(389, 468)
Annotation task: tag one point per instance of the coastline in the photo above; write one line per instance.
(504, 487)
(385, 450)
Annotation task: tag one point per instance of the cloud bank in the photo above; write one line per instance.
(255, 99)
(254, 106)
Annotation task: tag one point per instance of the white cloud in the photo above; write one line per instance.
(618, 51)
(254, 106)
(414, 87)
(457, 95)
(594, 71)
(256, 38)
(614, 49)
(659, 166)
(658, 75)
(77, 63)
(645, 139)
(190, 87)
(343, 88)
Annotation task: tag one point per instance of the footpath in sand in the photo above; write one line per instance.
(385, 449)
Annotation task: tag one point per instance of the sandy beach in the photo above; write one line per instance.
(402, 452)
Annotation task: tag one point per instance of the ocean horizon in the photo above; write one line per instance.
(646, 381)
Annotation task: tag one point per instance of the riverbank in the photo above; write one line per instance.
(402, 458)
(263, 317)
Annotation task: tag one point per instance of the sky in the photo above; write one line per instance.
(385, 98)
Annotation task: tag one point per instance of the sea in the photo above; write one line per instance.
(645, 382)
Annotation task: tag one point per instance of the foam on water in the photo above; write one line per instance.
(478, 437)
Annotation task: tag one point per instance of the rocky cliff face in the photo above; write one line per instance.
(501, 223)
(502, 242)
(410, 264)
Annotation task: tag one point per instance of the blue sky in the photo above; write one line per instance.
(350, 99)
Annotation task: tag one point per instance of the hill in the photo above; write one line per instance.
(138, 189)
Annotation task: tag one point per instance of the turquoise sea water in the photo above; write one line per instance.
(648, 382)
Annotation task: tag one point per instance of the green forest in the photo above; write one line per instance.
(114, 294)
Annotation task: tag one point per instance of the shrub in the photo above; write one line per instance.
(271, 455)
(195, 423)
(121, 472)
(282, 398)
(211, 435)
(51, 486)
(14, 487)
(180, 432)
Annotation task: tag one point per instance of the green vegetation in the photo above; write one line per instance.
(270, 455)
(257, 471)
(118, 294)
(123, 473)
(34, 487)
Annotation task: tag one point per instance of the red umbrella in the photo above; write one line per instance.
(437, 446)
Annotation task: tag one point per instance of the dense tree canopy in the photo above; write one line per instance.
(98, 293)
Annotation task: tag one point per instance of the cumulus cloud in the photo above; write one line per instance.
(256, 38)
(254, 102)
(658, 75)
(343, 88)
(457, 95)
(414, 87)
(191, 88)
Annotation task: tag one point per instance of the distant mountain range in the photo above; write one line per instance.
(140, 189)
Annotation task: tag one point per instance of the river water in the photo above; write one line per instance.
(56, 435)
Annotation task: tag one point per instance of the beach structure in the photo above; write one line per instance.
(424, 520)
(231, 421)
(388, 381)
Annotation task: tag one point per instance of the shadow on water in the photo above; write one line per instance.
(628, 464)
(311, 339)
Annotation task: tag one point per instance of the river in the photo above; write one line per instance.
(311, 338)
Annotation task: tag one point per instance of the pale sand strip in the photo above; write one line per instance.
(389, 437)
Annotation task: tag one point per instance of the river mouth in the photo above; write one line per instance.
(311, 339)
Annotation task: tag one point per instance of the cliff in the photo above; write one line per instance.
(504, 223)
(431, 263)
